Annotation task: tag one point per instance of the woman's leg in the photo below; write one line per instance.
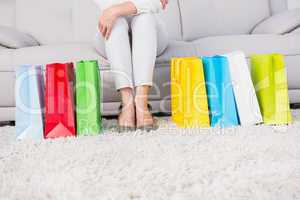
(117, 50)
(148, 40)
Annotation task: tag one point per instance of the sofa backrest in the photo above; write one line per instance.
(57, 21)
(7, 12)
(201, 18)
(278, 6)
(292, 4)
(64, 21)
(172, 19)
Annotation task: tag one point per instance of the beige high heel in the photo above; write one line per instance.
(124, 129)
(149, 127)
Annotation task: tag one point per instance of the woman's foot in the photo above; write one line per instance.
(126, 119)
(144, 118)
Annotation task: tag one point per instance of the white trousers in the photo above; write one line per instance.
(132, 48)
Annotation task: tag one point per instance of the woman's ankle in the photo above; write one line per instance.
(141, 98)
(127, 98)
(143, 114)
(127, 113)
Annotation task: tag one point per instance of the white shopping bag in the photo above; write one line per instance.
(29, 92)
(245, 96)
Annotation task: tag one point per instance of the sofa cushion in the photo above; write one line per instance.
(292, 4)
(280, 23)
(294, 96)
(6, 59)
(7, 81)
(9, 58)
(85, 16)
(221, 17)
(62, 53)
(14, 39)
(171, 18)
(292, 62)
(278, 6)
(50, 22)
(250, 44)
(7, 10)
(7, 114)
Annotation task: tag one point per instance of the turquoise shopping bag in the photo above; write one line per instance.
(29, 102)
(221, 100)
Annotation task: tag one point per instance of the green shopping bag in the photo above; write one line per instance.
(88, 88)
(270, 79)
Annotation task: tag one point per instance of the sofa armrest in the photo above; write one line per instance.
(281, 23)
(14, 39)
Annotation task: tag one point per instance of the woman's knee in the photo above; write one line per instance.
(120, 26)
(144, 20)
(162, 37)
(99, 44)
(149, 23)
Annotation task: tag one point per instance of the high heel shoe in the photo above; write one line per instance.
(124, 129)
(149, 127)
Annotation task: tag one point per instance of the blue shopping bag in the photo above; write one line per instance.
(29, 102)
(221, 100)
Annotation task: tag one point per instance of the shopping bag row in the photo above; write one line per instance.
(64, 103)
(222, 91)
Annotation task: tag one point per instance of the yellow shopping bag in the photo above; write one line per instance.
(188, 93)
(269, 77)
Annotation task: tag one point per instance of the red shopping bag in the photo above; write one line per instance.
(59, 97)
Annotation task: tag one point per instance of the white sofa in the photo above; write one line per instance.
(64, 31)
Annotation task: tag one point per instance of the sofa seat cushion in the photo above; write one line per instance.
(55, 53)
(250, 44)
(6, 59)
(10, 58)
(7, 81)
(67, 53)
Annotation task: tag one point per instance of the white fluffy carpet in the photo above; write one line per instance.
(241, 163)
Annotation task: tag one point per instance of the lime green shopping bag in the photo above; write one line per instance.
(270, 79)
(88, 93)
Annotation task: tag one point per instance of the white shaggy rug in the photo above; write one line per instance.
(242, 163)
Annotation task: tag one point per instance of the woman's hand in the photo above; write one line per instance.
(164, 3)
(107, 21)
